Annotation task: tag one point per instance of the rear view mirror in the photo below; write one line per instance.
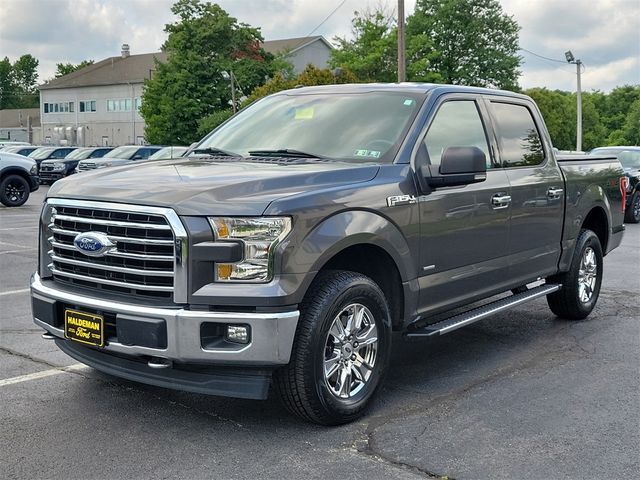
(458, 166)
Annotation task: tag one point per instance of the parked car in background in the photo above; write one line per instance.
(120, 156)
(168, 153)
(18, 178)
(20, 149)
(45, 153)
(10, 143)
(55, 169)
(629, 157)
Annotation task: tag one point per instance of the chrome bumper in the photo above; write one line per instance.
(272, 334)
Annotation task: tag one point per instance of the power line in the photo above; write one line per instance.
(326, 18)
(542, 56)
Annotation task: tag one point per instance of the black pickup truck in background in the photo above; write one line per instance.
(312, 224)
(629, 157)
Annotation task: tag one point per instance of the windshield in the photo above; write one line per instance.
(365, 127)
(41, 153)
(628, 158)
(79, 154)
(168, 152)
(126, 152)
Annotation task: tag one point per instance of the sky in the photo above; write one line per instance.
(604, 34)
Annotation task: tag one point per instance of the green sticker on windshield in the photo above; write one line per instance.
(304, 113)
(367, 153)
(408, 102)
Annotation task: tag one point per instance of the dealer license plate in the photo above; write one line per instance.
(84, 327)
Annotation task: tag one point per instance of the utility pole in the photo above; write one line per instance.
(578, 63)
(402, 67)
(233, 92)
(579, 108)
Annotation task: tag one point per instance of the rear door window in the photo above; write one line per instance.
(518, 137)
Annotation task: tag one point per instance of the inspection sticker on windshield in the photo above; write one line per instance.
(408, 102)
(304, 113)
(367, 153)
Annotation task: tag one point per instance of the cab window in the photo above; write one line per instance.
(456, 124)
(518, 136)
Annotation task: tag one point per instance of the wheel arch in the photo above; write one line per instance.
(364, 242)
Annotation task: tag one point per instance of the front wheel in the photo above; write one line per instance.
(341, 350)
(14, 191)
(581, 284)
(632, 213)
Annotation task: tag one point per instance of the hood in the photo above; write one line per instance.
(209, 186)
(114, 161)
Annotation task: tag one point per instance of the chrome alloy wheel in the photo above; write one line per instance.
(350, 351)
(587, 275)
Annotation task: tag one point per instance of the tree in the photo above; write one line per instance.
(67, 68)
(555, 107)
(631, 127)
(18, 82)
(372, 53)
(310, 76)
(475, 41)
(203, 45)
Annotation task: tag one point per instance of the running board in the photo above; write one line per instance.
(453, 323)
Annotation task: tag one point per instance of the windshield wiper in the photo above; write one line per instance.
(284, 152)
(216, 151)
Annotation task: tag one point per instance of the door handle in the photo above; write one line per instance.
(554, 192)
(500, 200)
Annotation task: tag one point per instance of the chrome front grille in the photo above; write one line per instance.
(82, 166)
(46, 168)
(146, 253)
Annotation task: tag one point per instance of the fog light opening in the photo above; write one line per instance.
(238, 333)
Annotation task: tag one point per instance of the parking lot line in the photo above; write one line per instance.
(11, 292)
(30, 227)
(17, 246)
(43, 374)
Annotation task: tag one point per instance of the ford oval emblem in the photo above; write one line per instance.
(93, 244)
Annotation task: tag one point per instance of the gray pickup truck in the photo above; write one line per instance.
(311, 225)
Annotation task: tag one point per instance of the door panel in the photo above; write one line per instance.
(537, 208)
(464, 240)
(464, 230)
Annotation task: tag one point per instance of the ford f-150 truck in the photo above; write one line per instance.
(308, 227)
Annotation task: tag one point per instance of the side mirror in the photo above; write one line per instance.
(458, 166)
(137, 157)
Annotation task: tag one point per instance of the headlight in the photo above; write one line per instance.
(259, 237)
(104, 165)
(58, 166)
(34, 170)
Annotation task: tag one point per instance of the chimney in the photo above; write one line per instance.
(125, 50)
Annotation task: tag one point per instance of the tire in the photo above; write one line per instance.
(14, 190)
(581, 284)
(632, 213)
(303, 387)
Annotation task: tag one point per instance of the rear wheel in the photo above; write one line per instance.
(581, 284)
(632, 213)
(341, 350)
(14, 191)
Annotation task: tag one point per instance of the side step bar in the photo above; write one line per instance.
(453, 323)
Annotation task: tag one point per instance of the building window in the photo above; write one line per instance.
(137, 103)
(119, 105)
(59, 107)
(88, 106)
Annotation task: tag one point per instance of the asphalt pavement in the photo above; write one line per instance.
(521, 395)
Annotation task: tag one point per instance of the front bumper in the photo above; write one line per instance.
(47, 176)
(272, 334)
(34, 182)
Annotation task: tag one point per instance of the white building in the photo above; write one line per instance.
(98, 104)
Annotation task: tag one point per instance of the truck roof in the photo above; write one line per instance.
(409, 87)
